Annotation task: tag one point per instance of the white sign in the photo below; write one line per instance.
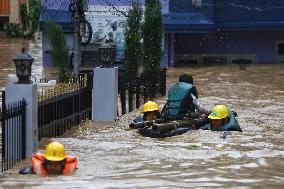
(165, 6)
(108, 24)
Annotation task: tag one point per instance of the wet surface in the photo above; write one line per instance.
(111, 156)
(8, 50)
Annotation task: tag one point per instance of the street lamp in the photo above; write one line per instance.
(23, 63)
(107, 53)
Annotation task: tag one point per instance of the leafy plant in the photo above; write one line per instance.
(33, 14)
(24, 16)
(12, 30)
(152, 47)
(133, 46)
(58, 51)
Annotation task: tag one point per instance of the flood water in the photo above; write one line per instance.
(111, 156)
(8, 50)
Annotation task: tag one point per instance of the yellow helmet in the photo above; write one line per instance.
(150, 106)
(219, 112)
(55, 151)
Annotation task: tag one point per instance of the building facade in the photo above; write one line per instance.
(196, 31)
(58, 11)
(10, 11)
(222, 31)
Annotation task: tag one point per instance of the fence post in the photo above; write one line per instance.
(137, 91)
(3, 130)
(130, 97)
(23, 107)
(163, 81)
(122, 97)
(29, 93)
(143, 89)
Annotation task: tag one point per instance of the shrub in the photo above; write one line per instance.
(133, 46)
(59, 50)
(12, 30)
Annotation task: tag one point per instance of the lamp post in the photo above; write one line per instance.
(107, 53)
(23, 63)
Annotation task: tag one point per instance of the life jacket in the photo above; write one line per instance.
(38, 168)
(139, 118)
(175, 96)
(230, 125)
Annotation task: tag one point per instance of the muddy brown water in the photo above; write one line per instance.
(111, 156)
(8, 50)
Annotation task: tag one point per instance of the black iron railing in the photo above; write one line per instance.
(13, 122)
(133, 93)
(63, 106)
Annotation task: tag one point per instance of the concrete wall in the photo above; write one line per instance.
(249, 14)
(14, 11)
(187, 7)
(56, 4)
(260, 43)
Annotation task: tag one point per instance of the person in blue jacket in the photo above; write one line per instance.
(151, 112)
(182, 100)
(221, 119)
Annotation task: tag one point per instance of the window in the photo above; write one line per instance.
(197, 3)
(280, 48)
(165, 6)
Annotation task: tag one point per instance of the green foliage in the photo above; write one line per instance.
(58, 49)
(152, 36)
(30, 20)
(24, 16)
(33, 15)
(133, 47)
(152, 47)
(12, 30)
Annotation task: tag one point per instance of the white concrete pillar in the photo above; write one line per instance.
(105, 94)
(14, 11)
(16, 92)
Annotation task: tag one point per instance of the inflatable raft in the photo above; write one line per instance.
(161, 129)
(149, 132)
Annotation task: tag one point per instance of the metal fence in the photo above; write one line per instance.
(63, 106)
(13, 122)
(133, 93)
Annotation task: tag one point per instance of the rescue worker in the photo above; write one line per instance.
(53, 161)
(221, 119)
(151, 111)
(182, 100)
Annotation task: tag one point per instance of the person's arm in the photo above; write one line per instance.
(139, 118)
(205, 127)
(200, 108)
(194, 91)
(136, 120)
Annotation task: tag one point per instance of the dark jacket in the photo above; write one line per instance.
(179, 101)
(139, 118)
(230, 125)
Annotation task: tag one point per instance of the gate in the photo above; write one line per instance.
(132, 93)
(64, 106)
(13, 122)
